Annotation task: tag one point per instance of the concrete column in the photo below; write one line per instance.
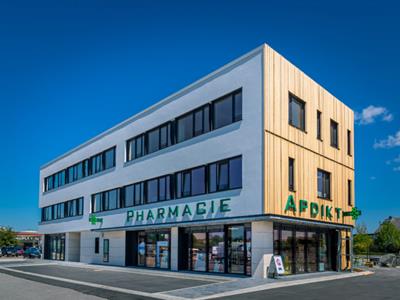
(72, 246)
(174, 248)
(262, 247)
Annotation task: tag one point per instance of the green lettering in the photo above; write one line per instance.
(173, 212)
(200, 210)
(290, 204)
(313, 209)
(150, 215)
(129, 215)
(337, 209)
(139, 215)
(186, 211)
(224, 207)
(212, 207)
(328, 212)
(322, 210)
(303, 205)
(160, 212)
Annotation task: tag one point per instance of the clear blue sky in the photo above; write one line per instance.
(71, 69)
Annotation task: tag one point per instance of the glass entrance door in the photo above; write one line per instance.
(216, 251)
(236, 246)
(198, 251)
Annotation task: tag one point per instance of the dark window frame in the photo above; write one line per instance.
(334, 138)
(61, 210)
(302, 118)
(349, 143)
(319, 125)
(291, 173)
(350, 192)
(80, 170)
(207, 110)
(326, 185)
(96, 245)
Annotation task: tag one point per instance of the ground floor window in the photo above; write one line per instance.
(153, 249)
(305, 249)
(106, 250)
(217, 249)
(54, 247)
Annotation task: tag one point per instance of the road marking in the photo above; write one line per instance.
(94, 285)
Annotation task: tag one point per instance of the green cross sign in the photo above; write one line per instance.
(93, 219)
(354, 213)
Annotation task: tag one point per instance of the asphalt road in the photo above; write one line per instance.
(384, 284)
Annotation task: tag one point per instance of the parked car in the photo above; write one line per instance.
(19, 251)
(11, 251)
(32, 253)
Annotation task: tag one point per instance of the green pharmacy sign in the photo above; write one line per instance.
(354, 213)
(314, 209)
(94, 220)
(177, 211)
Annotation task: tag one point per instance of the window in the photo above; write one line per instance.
(198, 181)
(297, 112)
(319, 125)
(291, 174)
(63, 210)
(109, 158)
(152, 191)
(349, 142)
(129, 195)
(349, 193)
(153, 141)
(324, 184)
(225, 175)
(227, 110)
(334, 134)
(235, 173)
(185, 128)
(139, 193)
(87, 167)
(111, 199)
(97, 245)
(97, 203)
(106, 250)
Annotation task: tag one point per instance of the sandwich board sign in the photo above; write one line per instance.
(279, 264)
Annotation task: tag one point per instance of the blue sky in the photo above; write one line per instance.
(71, 69)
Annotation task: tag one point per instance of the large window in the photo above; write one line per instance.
(107, 200)
(291, 174)
(297, 112)
(226, 174)
(222, 112)
(227, 110)
(324, 184)
(63, 210)
(95, 164)
(222, 175)
(334, 134)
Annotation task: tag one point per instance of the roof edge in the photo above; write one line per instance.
(164, 101)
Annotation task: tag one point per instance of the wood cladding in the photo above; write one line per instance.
(310, 153)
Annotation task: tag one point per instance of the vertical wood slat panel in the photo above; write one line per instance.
(283, 141)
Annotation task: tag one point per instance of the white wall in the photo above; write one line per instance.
(72, 246)
(116, 251)
(241, 138)
(262, 247)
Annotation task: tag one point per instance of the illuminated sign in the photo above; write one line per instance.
(94, 220)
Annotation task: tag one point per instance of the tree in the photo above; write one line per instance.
(362, 241)
(388, 237)
(7, 237)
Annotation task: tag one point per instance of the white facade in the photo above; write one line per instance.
(243, 138)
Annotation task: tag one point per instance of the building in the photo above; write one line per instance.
(254, 159)
(28, 238)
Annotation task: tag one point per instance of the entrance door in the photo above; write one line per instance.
(236, 249)
(333, 249)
